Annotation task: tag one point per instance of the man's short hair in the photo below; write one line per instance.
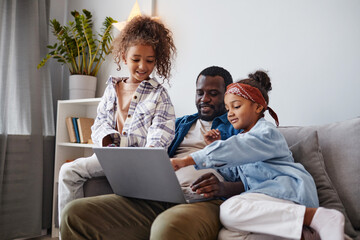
(217, 71)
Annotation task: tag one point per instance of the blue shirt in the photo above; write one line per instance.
(262, 160)
(183, 124)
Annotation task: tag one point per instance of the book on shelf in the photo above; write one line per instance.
(74, 120)
(71, 130)
(79, 129)
(84, 127)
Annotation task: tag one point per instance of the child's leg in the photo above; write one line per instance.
(259, 213)
(226, 234)
(72, 176)
(329, 223)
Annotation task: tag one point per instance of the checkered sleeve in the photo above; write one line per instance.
(105, 120)
(162, 130)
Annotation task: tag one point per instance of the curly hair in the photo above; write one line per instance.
(146, 31)
(261, 81)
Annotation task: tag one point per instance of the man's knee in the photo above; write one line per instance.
(169, 226)
(187, 221)
(73, 210)
(78, 221)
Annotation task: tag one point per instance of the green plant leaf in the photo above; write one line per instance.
(76, 44)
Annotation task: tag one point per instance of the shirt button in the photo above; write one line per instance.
(124, 133)
(135, 97)
(129, 116)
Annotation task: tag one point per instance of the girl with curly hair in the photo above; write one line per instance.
(135, 111)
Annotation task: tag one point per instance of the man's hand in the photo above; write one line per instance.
(178, 163)
(210, 186)
(211, 136)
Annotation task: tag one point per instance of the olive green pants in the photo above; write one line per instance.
(115, 217)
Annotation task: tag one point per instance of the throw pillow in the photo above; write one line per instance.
(307, 152)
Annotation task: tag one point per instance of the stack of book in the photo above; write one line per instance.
(79, 129)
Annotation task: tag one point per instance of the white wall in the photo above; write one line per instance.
(311, 49)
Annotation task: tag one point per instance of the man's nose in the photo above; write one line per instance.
(206, 98)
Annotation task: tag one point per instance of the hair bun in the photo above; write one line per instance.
(262, 78)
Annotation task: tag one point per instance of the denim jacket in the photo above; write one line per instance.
(262, 160)
(183, 124)
(150, 121)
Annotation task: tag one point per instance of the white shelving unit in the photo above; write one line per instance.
(64, 150)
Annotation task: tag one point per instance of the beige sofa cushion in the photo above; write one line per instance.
(340, 145)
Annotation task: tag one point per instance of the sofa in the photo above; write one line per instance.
(330, 152)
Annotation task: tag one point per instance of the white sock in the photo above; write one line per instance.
(329, 223)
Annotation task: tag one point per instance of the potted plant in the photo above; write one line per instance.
(77, 48)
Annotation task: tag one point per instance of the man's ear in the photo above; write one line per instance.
(259, 108)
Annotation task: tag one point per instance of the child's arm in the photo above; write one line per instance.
(103, 131)
(261, 143)
(211, 136)
(162, 130)
(178, 163)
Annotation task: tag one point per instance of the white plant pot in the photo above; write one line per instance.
(82, 86)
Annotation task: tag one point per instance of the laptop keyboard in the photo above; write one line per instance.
(190, 194)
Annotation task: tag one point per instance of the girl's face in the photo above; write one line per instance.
(140, 60)
(242, 113)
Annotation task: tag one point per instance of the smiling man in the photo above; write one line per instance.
(211, 85)
(209, 91)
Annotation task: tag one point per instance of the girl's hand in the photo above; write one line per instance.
(107, 141)
(178, 163)
(211, 136)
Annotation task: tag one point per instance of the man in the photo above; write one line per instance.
(116, 217)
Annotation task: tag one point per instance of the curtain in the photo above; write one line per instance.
(26, 119)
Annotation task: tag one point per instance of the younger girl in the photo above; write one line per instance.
(280, 195)
(135, 111)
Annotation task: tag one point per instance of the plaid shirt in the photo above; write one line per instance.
(150, 121)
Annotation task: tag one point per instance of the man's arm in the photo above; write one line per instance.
(209, 185)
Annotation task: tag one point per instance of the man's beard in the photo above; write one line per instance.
(214, 114)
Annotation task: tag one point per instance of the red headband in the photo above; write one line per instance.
(251, 93)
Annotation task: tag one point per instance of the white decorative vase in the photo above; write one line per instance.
(82, 86)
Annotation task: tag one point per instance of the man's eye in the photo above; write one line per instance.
(150, 61)
(135, 60)
(214, 93)
(236, 107)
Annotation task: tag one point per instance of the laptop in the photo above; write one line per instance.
(144, 173)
